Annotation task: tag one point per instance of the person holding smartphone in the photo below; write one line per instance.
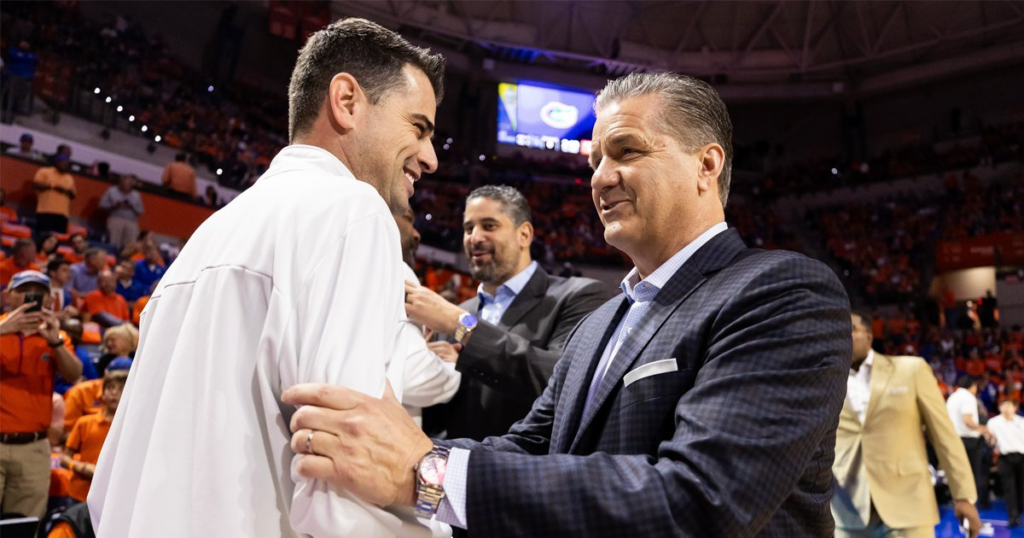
(33, 350)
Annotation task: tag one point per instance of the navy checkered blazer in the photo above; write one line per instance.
(739, 441)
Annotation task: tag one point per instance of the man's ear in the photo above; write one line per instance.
(346, 100)
(525, 234)
(711, 160)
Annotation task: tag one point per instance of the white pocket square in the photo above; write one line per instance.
(652, 368)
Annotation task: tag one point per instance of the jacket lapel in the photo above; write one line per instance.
(593, 338)
(709, 259)
(531, 294)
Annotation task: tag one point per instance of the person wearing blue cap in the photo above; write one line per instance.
(32, 351)
(55, 188)
(24, 149)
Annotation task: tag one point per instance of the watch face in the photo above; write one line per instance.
(469, 321)
(432, 469)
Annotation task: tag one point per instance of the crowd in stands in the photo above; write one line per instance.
(236, 129)
(995, 144)
(881, 247)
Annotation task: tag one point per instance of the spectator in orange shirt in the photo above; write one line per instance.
(88, 435)
(86, 398)
(32, 351)
(55, 188)
(23, 258)
(180, 177)
(103, 305)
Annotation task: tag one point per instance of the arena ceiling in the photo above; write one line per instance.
(831, 46)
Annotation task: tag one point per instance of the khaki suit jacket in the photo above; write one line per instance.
(884, 459)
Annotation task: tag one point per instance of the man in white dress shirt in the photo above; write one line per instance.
(1008, 429)
(430, 374)
(297, 280)
(962, 406)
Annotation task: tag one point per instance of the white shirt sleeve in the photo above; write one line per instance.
(428, 379)
(344, 327)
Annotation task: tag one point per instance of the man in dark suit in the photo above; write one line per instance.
(523, 318)
(704, 402)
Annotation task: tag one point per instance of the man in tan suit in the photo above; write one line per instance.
(884, 487)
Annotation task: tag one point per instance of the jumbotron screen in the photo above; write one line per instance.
(545, 117)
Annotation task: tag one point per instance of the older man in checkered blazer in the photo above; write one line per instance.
(704, 401)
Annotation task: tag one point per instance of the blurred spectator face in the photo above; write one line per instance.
(61, 276)
(126, 183)
(112, 395)
(25, 143)
(125, 270)
(395, 149)
(97, 262)
(152, 254)
(1008, 409)
(106, 282)
(79, 243)
(116, 344)
(24, 253)
(492, 241)
(409, 236)
(50, 244)
(62, 163)
(16, 297)
(861, 338)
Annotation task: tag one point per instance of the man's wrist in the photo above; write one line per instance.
(453, 320)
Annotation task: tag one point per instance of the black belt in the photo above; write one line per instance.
(21, 438)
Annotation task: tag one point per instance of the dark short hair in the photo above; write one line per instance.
(968, 381)
(55, 263)
(92, 251)
(180, 157)
(372, 54)
(864, 318)
(691, 111)
(513, 203)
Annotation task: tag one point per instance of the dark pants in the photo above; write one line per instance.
(976, 456)
(1011, 473)
(50, 222)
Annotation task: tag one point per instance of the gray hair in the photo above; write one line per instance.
(372, 54)
(513, 203)
(694, 114)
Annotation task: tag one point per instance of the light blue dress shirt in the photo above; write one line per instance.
(639, 293)
(492, 307)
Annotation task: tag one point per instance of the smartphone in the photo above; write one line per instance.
(36, 298)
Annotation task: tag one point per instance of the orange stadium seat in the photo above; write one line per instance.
(17, 230)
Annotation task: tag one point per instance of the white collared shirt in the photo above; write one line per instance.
(297, 280)
(961, 403)
(1009, 433)
(858, 386)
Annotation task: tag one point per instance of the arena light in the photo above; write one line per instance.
(449, 141)
(210, 89)
(446, 146)
(96, 91)
(131, 118)
(429, 216)
(482, 157)
(109, 99)
(145, 128)
(157, 139)
(835, 172)
(220, 171)
(120, 108)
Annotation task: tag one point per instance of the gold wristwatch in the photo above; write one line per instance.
(465, 328)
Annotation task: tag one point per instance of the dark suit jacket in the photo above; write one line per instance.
(505, 367)
(738, 442)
